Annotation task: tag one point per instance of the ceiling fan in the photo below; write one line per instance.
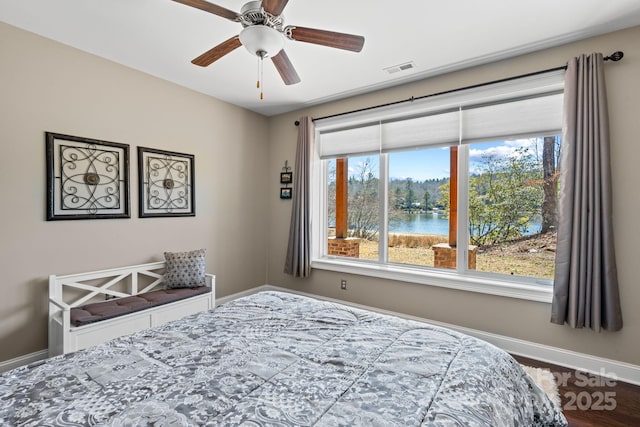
(263, 35)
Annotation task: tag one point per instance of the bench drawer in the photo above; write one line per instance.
(97, 333)
(181, 309)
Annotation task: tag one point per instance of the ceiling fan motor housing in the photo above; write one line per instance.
(253, 13)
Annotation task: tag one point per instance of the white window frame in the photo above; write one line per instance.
(461, 278)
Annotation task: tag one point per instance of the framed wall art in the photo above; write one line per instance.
(285, 193)
(167, 186)
(86, 178)
(286, 177)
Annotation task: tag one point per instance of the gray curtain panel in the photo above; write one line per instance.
(586, 282)
(298, 261)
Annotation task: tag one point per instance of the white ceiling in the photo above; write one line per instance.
(161, 37)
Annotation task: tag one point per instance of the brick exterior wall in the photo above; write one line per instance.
(348, 247)
(444, 256)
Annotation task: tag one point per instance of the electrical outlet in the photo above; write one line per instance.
(343, 284)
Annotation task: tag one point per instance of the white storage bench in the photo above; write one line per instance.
(80, 317)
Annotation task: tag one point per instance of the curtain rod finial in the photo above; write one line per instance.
(297, 123)
(615, 56)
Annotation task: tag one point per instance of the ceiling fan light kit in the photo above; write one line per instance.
(264, 33)
(262, 41)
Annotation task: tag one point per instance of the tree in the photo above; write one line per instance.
(363, 201)
(502, 201)
(515, 202)
(397, 200)
(409, 195)
(331, 196)
(549, 185)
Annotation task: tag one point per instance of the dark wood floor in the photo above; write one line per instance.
(592, 401)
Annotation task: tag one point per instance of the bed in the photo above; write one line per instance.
(279, 359)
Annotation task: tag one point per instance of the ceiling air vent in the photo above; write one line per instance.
(401, 67)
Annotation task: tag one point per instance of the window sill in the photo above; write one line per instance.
(472, 283)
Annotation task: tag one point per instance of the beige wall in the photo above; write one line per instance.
(511, 317)
(46, 86)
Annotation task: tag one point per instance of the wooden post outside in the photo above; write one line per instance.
(453, 197)
(342, 226)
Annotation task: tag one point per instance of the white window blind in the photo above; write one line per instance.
(530, 117)
(510, 109)
(436, 129)
(354, 141)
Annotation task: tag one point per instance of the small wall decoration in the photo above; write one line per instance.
(286, 178)
(86, 178)
(285, 193)
(167, 186)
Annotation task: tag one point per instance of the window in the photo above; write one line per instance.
(418, 219)
(397, 189)
(512, 196)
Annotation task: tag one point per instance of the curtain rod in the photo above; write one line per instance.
(615, 56)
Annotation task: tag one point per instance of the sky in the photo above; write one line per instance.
(421, 165)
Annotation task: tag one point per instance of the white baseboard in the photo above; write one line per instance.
(580, 361)
(7, 365)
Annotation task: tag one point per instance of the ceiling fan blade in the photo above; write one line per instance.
(274, 7)
(211, 8)
(285, 68)
(326, 38)
(217, 52)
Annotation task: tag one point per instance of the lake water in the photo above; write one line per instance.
(424, 223)
(433, 223)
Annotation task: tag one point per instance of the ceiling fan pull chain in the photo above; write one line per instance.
(261, 77)
(259, 69)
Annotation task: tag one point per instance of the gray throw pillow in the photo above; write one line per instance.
(185, 269)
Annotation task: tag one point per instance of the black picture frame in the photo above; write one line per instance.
(285, 193)
(167, 183)
(86, 178)
(286, 177)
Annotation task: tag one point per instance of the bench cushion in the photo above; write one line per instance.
(95, 312)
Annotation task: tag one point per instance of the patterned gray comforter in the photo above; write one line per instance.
(276, 359)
